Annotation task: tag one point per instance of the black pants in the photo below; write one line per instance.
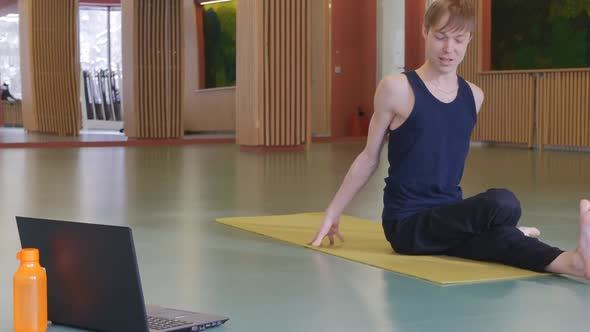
(482, 227)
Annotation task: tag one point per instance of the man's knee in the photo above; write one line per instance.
(504, 203)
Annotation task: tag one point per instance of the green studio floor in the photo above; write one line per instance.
(171, 195)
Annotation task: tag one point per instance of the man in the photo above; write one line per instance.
(429, 115)
(6, 95)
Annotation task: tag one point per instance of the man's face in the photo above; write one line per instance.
(445, 49)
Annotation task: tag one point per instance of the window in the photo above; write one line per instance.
(100, 59)
(9, 54)
(100, 38)
(541, 34)
(217, 42)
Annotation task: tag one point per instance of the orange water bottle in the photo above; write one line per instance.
(30, 293)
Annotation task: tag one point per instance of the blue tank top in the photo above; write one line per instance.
(427, 152)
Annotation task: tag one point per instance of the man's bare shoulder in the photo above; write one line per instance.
(478, 95)
(395, 91)
(395, 84)
(477, 91)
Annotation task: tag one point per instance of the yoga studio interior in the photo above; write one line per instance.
(221, 133)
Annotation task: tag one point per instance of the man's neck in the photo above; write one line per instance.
(429, 73)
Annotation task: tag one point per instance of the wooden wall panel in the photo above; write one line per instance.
(11, 114)
(508, 111)
(49, 39)
(273, 89)
(251, 78)
(287, 93)
(564, 104)
(156, 111)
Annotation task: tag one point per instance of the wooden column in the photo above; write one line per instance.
(273, 88)
(152, 68)
(50, 66)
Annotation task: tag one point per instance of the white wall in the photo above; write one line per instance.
(390, 37)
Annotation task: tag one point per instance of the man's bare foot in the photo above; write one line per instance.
(576, 263)
(530, 231)
(583, 249)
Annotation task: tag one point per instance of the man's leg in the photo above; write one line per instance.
(507, 245)
(437, 230)
(483, 227)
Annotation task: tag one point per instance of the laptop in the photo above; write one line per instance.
(93, 279)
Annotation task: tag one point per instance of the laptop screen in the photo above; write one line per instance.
(92, 274)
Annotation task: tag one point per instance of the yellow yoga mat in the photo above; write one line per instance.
(365, 243)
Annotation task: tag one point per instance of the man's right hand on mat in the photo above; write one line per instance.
(328, 228)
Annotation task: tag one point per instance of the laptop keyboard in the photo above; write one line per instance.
(156, 323)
